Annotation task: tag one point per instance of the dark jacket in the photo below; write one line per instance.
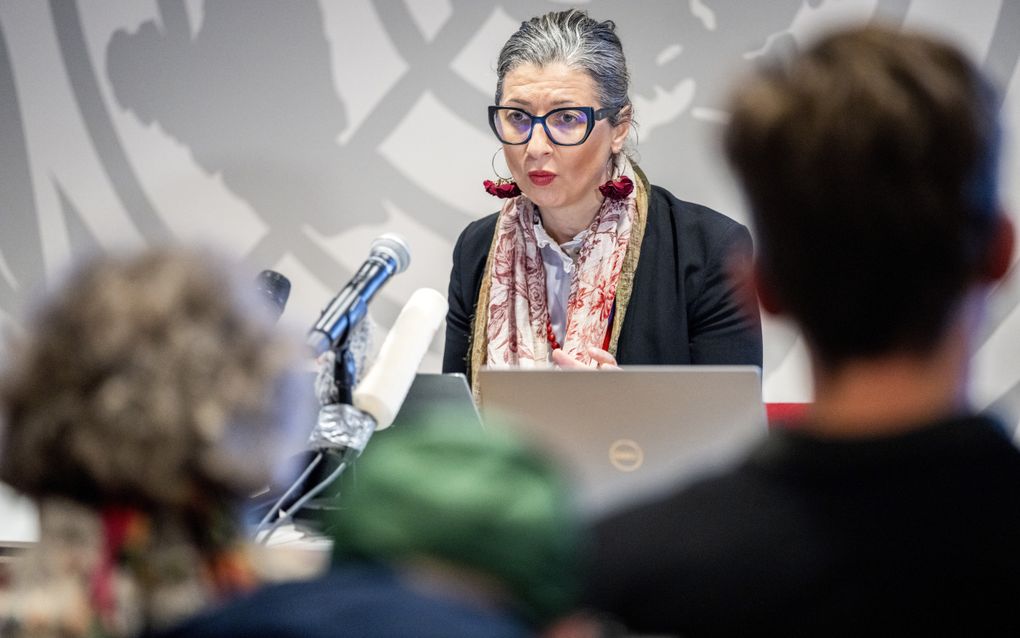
(364, 600)
(683, 308)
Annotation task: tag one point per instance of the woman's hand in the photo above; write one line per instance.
(601, 359)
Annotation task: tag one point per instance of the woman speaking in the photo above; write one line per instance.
(587, 264)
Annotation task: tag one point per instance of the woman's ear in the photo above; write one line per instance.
(1000, 253)
(622, 129)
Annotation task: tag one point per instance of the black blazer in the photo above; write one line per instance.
(683, 309)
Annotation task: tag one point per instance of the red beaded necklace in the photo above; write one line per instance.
(550, 336)
(554, 344)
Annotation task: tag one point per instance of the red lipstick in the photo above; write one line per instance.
(541, 178)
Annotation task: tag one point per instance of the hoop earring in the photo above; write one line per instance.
(618, 188)
(503, 187)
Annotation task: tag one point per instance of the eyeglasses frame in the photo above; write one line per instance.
(593, 117)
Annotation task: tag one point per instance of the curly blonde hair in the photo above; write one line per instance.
(145, 381)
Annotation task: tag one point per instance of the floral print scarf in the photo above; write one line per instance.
(517, 311)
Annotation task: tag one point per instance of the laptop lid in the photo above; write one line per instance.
(629, 435)
(446, 395)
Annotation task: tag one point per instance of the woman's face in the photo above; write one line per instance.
(559, 177)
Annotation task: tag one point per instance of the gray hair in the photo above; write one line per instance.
(571, 37)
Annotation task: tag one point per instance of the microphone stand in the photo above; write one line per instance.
(340, 436)
(343, 430)
(345, 373)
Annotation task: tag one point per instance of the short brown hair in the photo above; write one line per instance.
(133, 377)
(869, 162)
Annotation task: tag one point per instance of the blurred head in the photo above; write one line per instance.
(869, 162)
(562, 59)
(469, 498)
(147, 381)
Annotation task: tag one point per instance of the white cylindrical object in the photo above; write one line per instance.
(382, 391)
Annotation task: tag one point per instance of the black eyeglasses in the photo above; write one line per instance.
(568, 126)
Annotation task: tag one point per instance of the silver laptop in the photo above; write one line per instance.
(630, 435)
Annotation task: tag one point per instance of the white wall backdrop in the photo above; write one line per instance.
(291, 133)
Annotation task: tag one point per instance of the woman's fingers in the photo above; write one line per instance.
(600, 359)
(564, 360)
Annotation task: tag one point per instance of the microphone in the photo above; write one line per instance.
(388, 256)
(275, 288)
(384, 388)
(344, 430)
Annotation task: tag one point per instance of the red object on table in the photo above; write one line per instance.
(785, 414)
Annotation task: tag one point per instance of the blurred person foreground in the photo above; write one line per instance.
(149, 397)
(870, 164)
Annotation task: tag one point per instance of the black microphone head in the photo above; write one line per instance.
(394, 246)
(275, 288)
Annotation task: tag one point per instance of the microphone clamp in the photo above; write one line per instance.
(342, 426)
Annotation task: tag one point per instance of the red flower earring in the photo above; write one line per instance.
(618, 188)
(503, 187)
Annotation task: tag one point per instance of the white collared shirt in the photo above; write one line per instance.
(559, 260)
